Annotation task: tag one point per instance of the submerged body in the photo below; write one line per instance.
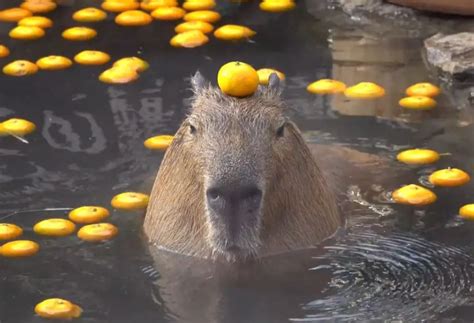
(239, 181)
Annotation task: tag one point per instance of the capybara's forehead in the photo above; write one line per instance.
(211, 103)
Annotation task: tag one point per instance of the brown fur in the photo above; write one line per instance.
(299, 209)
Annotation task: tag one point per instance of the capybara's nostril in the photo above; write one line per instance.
(233, 199)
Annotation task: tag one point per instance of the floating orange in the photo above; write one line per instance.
(9, 231)
(4, 51)
(168, 13)
(203, 15)
(36, 21)
(18, 127)
(130, 201)
(120, 5)
(417, 102)
(54, 227)
(202, 26)
(467, 212)
(150, 5)
(414, 195)
(20, 68)
(449, 177)
(277, 5)
(364, 90)
(133, 18)
(418, 156)
(26, 33)
(88, 214)
(14, 14)
(161, 142)
(39, 6)
(57, 308)
(53, 63)
(423, 89)
(92, 57)
(90, 14)
(189, 39)
(193, 5)
(264, 75)
(118, 75)
(233, 32)
(133, 63)
(19, 248)
(237, 79)
(97, 232)
(79, 33)
(326, 86)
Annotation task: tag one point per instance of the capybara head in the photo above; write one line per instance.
(223, 183)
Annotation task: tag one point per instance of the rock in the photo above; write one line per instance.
(453, 54)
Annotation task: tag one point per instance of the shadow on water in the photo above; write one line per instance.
(392, 263)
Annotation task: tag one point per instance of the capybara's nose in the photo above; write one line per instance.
(227, 201)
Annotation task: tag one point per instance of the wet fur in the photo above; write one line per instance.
(299, 205)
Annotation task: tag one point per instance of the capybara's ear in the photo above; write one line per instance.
(274, 87)
(198, 82)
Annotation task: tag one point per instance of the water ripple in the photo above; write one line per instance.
(399, 277)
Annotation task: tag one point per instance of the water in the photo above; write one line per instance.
(392, 263)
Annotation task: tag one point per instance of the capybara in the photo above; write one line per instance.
(239, 182)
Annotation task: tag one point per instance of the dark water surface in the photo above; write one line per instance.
(393, 263)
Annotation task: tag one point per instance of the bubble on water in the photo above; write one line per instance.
(399, 277)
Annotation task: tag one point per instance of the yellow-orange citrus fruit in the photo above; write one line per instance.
(202, 26)
(26, 33)
(264, 75)
(90, 14)
(134, 63)
(36, 21)
(418, 156)
(92, 57)
(88, 214)
(79, 33)
(57, 308)
(326, 86)
(9, 231)
(161, 142)
(189, 39)
(237, 79)
(414, 195)
(449, 177)
(130, 201)
(4, 51)
(233, 32)
(133, 18)
(14, 14)
(423, 89)
(53, 63)
(18, 127)
(54, 227)
(203, 15)
(97, 232)
(120, 5)
(418, 103)
(118, 75)
(39, 6)
(168, 13)
(277, 5)
(193, 5)
(364, 90)
(467, 212)
(19, 248)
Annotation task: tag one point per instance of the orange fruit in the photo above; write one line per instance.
(53, 63)
(150, 5)
(423, 89)
(418, 156)
(203, 15)
(233, 32)
(39, 6)
(20, 68)
(193, 5)
(277, 5)
(14, 14)
(36, 21)
(18, 127)
(133, 63)
(92, 57)
(202, 26)
(4, 51)
(118, 75)
(161, 142)
(364, 90)
(417, 102)
(189, 39)
(89, 14)
(237, 79)
(326, 86)
(19, 248)
(414, 195)
(9, 231)
(26, 33)
(54, 227)
(97, 232)
(264, 75)
(168, 13)
(79, 33)
(467, 212)
(449, 177)
(57, 308)
(133, 18)
(88, 214)
(130, 201)
(120, 5)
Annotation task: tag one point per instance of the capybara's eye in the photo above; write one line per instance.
(281, 131)
(192, 129)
